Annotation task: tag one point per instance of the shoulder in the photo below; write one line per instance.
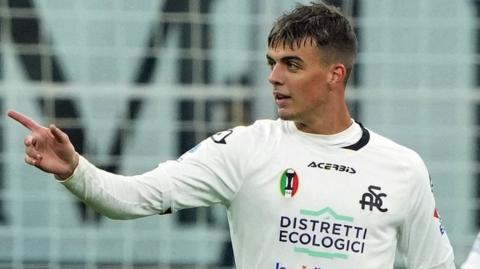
(239, 139)
(382, 144)
(404, 156)
(266, 126)
(405, 164)
(259, 131)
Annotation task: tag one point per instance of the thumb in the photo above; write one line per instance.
(59, 136)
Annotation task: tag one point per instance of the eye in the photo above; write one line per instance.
(292, 66)
(270, 64)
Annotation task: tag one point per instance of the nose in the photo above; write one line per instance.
(276, 75)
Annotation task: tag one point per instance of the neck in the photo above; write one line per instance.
(327, 123)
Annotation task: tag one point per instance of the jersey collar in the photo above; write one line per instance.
(353, 138)
(362, 142)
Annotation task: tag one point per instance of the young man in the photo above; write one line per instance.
(313, 189)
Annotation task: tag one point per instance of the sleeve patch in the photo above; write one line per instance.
(221, 137)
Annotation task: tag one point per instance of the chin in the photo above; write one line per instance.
(286, 116)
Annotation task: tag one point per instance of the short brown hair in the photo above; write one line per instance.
(322, 24)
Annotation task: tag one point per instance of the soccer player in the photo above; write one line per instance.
(312, 189)
(473, 259)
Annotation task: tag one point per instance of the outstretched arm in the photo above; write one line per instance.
(115, 196)
(197, 179)
(49, 149)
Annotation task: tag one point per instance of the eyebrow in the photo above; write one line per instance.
(286, 58)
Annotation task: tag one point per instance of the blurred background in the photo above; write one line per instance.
(135, 83)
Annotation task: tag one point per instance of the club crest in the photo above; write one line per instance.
(289, 183)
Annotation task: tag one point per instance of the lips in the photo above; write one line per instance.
(279, 96)
(281, 99)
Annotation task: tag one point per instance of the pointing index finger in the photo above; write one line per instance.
(24, 120)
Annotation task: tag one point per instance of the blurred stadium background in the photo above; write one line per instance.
(135, 83)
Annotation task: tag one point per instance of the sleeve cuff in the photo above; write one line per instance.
(81, 162)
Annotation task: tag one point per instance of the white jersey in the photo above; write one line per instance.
(473, 259)
(294, 200)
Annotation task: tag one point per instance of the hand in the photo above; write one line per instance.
(49, 149)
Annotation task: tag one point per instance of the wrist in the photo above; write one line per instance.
(71, 171)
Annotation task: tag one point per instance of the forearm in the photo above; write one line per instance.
(116, 196)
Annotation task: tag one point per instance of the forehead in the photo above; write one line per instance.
(303, 50)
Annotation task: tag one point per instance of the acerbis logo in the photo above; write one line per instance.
(332, 166)
(289, 183)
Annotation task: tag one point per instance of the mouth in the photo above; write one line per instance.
(279, 96)
(281, 99)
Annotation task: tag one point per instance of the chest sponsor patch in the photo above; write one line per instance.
(323, 234)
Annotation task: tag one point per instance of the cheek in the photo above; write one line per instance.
(308, 88)
(315, 89)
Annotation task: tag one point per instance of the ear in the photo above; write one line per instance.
(337, 72)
